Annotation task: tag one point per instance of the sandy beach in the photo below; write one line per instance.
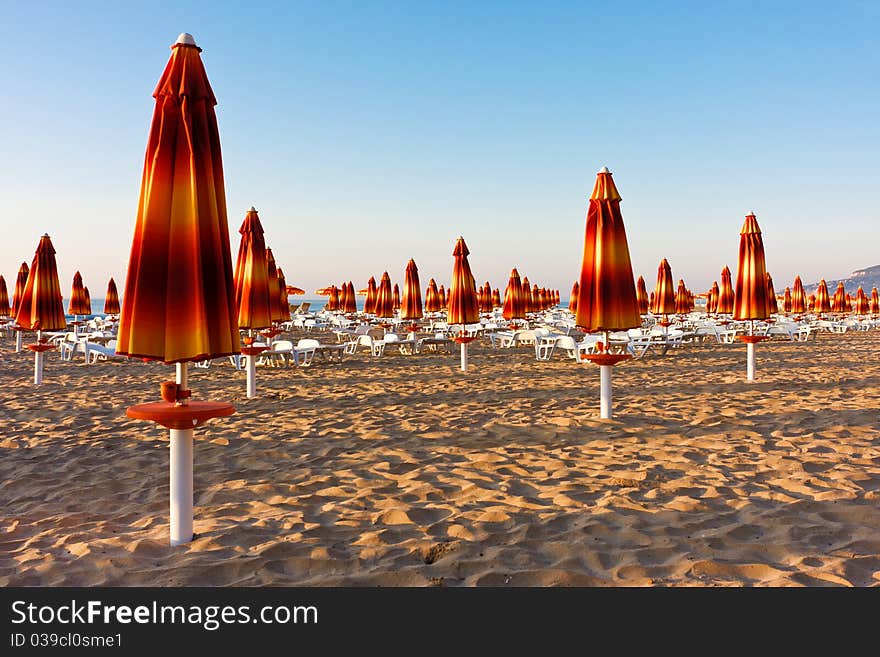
(405, 471)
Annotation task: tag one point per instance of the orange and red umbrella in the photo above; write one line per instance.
(823, 300)
(20, 282)
(752, 298)
(838, 303)
(725, 296)
(333, 299)
(275, 313)
(862, 305)
(496, 298)
(486, 298)
(111, 299)
(179, 301)
(642, 295)
(371, 293)
(536, 301)
(5, 310)
(395, 297)
(294, 291)
(40, 307)
(411, 304)
(798, 297)
(714, 293)
(252, 286)
(350, 299)
(444, 298)
(875, 301)
(774, 306)
(281, 293)
(573, 299)
(663, 302)
(527, 295)
(88, 299)
(432, 298)
(682, 302)
(514, 300)
(384, 298)
(606, 293)
(462, 303)
(786, 301)
(77, 305)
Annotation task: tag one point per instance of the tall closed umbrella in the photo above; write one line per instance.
(5, 309)
(395, 297)
(88, 298)
(40, 307)
(272, 277)
(642, 295)
(664, 292)
(862, 305)
(179, 301)
(496, 298)
(432, 298)
(682, 300)
(573, 299)
(823, 300)
(78, 304)
(514, 307)
(370, 301)
(444, 298)
(527, 294)
(771, 295)
(333, 299)
(786, 301)
(350, 299)
(714, 293)
(342, 297)
(487, 298)
(752, 297)
(111, 299)
(411, 303)
(875, 301)
(384, 301)
(462, 307)
(798, 297)
(607, 294)
(726, 295)
(839, 304)
(283, 291)
(20, 282)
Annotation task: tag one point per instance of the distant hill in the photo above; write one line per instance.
(867, 278)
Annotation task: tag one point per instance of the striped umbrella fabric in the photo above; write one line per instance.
(370, 301)
(862, 305)
(179, 301)
(838, 303)
(111, 299)
(798, 297)
(823, 300)
(496, 298)
(875, 301)
(444, 298)
(251, 278)
(607, 296)
(294, 291)
(432, 298)
(20, 282)
(411, 304)
(726, 296)
(682, 301)
(542, 299)
(536, 302)
(275, 313)
(40, 307)
(573, 299)
(350, 299)
(384, 298)
(281, 293)
(78, 305)
(786, 301)
(527, 294)
(395, 297)
(663, 302)
(462, 303)
(333, 299)
(642, 295)
(5, 310)
(751, 299)
(486, 298)
(714, 293)
(88, 299)
(514, 306)
(774, 306)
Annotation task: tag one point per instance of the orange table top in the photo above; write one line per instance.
(180, 417)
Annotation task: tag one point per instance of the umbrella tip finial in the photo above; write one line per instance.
(186, 39)
(253, 209)
(603, 170)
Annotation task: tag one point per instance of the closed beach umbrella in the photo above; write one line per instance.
(535, 299)
(642, 295)
(179, 301)
(862, 305)
(496, 298)
(384, 298)
(333, 299)
(682, 301)
(607, 294)
(342, 297)
(774, 306)
(350, 299)
(839, 304)
(370, 301)
(444, 298)
(111, 299)
(752, 298)
(811, 302)
(798, 297)
(514, 302)
(849, 302)
(281, 293)
(88, 298)
(275, 313)
(251, 278)
(432, 298)
(714, 293)
(664, 292)
(77, 305)
(786, 301)
(573, 299)
(542, 299)
(20, 282)
(527, 295)
(875, 301)
(411, 303)
(823, 300)
(5, 310)
(395, 297)
(725, 296)
(462, 307)
(40, 307)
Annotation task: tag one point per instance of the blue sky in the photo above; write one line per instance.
(369, 133)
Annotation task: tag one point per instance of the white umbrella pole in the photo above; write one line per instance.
(19, 341)
(464, 357)
(38, 362)
(251, 376)
(181, 476)
(605, 392)
(750, 361)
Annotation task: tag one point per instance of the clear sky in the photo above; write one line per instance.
(367, 133)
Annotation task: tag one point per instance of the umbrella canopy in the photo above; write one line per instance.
(281, 293)
(875, 301)
(462, 303)
(714, 293)
(663, 302)
(527, 294)
(536, 302)
(179, 301)
(786, 301)
(20, 282)
(862, 305)
(333, 299)
(275, 313)
(5, 310)
(642, 295)
(542, 299)
(774, 306)
(294, 291)
(486, 298)
(40, 307)
(432, 298)
(798, 297)
(371, 293)
(384, 298)
(88, 298)
(496, 298)
(752, 299)
(78, 305)
(725, 296)
(324, 291)
(682, 300)
(251, 279)
(573, 299)
(111, 299)
(395, 297)
(838, 303)
(411, 304)
(823, 300)
(606, 296)
(350, 300)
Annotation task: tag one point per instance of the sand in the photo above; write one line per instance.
(405, 471)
